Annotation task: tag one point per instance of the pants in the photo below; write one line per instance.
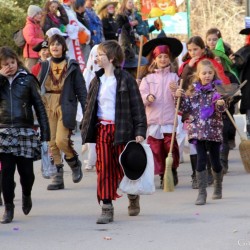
(160, 149)
(25, 170)
(60, 139)
(214, 153)
(109, 172)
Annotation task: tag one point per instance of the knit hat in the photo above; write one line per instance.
(33, 10)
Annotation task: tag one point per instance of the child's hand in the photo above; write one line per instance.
(5, 71)
(193, 61)
(138, 81)
(179, 92)
(173, 86)
(220, 102)
(139, 138)
(232, 58)
(151, 98)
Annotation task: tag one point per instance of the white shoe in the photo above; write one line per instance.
(88, 167)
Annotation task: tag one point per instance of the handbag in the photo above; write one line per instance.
(145, 184)
(48, 168)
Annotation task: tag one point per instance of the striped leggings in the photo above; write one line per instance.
(109, 171)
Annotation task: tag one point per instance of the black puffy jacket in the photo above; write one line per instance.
(16, 101)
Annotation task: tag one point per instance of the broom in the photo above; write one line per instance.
(244, 146)
(168, 183)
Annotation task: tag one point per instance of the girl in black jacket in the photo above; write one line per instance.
(20, 144)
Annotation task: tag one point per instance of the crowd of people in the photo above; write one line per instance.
(74, 66)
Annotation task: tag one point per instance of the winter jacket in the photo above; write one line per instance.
(94, 23)
(17, 100)
(74, 90)
(123, 21)
(162, 110)
(110, 28)
(242, 62)
(130, 117)
(210, 128)
(33, 35)
(186, 72)
(62, 20)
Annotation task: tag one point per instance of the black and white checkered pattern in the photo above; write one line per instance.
(20, 142)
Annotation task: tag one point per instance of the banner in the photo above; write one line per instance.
(171, 13)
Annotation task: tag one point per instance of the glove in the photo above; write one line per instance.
(45, 146)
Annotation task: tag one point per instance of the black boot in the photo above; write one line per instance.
(1, 201)
(193, 160)
(57, 179)
(27, 204)
(8, 214)
(175, 176)
(76, 167)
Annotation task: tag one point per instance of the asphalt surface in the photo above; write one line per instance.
(65, 219)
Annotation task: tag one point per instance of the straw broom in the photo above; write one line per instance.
(168, 182)
(139, 57)
(244, 146)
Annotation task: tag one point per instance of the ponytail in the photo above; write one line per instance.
(208, 53)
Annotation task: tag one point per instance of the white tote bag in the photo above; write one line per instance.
(145, 184)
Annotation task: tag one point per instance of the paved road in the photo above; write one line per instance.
(65, 219)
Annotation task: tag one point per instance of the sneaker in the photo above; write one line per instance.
(89, 167)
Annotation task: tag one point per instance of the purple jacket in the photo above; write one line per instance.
(205, 116)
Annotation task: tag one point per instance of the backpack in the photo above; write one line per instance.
(19, 38)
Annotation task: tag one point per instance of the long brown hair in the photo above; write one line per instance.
(123, 8)
(6, 53)
(198, 41)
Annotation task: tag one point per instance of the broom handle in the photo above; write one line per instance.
(175, 120)
(234, 123)
(139, 57)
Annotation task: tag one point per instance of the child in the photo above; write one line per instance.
(203, 104)
(197, 52)
(229, 130)
(114, 115)
(43, 50)
(62, 86)
(212, 36)
(159, 102)
(19, 142)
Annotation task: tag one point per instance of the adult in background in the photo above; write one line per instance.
(72, 30)
(62, 86)
(33, 35)
(94, 22)
(106, 13)
(54, 16)
(79, 7)
(242, 62)
(126, 19)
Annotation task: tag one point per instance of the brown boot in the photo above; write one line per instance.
(134, 205)
(202, 184)
(217, 185)
(107, 215)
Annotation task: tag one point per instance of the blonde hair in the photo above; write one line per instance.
(196, 78)
(123, 7)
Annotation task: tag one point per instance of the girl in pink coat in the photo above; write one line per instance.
(159, 101)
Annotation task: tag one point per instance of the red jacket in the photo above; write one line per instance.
(33, 35)
(217, 66)
(36, 69)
